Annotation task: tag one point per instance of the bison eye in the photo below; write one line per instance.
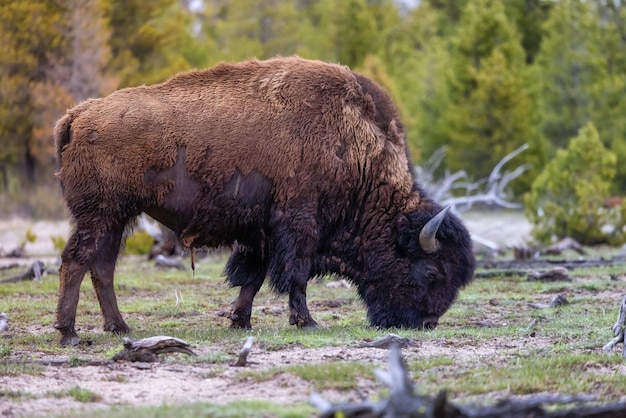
(432, 274)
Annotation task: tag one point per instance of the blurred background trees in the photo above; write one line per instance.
(478, 77)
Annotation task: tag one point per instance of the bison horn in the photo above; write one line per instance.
(428, 239)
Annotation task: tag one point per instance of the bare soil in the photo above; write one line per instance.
(180, 382)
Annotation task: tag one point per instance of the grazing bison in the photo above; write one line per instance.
(300, 165)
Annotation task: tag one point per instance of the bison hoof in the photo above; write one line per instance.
(117, 329)
(302, 322)
(70, 340)
(239, 321)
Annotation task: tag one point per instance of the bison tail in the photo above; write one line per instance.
(62, 134)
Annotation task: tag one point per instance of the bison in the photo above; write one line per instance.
(301, 166)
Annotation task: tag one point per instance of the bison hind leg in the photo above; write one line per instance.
(295, 241)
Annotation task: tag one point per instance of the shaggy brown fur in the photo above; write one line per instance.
(301, 164)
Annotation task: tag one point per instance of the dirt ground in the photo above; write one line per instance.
(174, 383)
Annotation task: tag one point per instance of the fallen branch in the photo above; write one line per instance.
(557, 301)
(557, 274)
(242, 361)
(404, 402)
(618, 329)
(35, 272)
(147, 350)
(491, 268)
(389, 340)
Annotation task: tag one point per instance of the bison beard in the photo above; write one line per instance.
(300, 165)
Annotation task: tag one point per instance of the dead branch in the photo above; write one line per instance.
(147, 350)
(507, 268)
(557, 274)
(34, 272)
(566, 243)
(169, 262)
(558, 300)
(4, 321)
(17, 252)
(490, 191)
(242, 361)
(389, 340)
(403, 402)
(618, 329)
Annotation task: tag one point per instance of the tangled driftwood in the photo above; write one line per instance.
(403, 402)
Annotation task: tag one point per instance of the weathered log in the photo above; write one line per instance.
(557, 301)
(495, 268)
(35, 272)
(566, 243)
(389, 340)
(242, 361)
(147, 350)
(619, 329)
(557, 274)
(403, 402)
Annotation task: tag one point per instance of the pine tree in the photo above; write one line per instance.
(567, 65)
(30, 35)
(491, 109)
(566, 199)
(149, 40)
(608, 110)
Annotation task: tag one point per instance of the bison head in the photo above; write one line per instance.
(432, 260)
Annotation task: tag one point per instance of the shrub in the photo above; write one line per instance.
(567, 198)
(139, 243)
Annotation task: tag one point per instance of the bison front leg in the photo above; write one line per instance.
(298, 310)
(245, 268)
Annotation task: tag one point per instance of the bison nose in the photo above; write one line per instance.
(430, 322)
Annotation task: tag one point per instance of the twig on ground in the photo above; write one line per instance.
(404, 403)
(557, 301)
(4, 321)
(618, 329)
(557, 274)
(566, 243)
(242, 361)
(35, 272)
(169, 262)
(148, 349)
(387, 341)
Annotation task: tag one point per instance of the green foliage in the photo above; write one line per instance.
(490, 110)
(139, 243)
(566, 199)
(569, 64)
(480, 77)
(58, 242)
(80, 394)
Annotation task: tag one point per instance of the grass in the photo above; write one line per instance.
(491, 342)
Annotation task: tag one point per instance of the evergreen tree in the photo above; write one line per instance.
(149, 40)
(491, 109)
(567, 198)
(567, 65)
(608, 110)
(30, 34)
(417, 61)
(529, 17)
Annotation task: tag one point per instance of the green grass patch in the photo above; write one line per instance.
(78, 393)
(251, 409)
(339, 375)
